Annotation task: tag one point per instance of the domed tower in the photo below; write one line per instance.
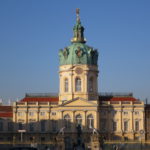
(78, 71)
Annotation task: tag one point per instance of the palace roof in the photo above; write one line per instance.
(6, 111)
(109, 98)
(41, 97)
(117, 97)
(53, 98)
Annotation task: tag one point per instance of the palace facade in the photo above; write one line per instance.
(42, 117)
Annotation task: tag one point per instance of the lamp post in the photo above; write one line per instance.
(21, 132)
(141, 135)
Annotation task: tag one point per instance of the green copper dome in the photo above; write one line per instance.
(78, 52)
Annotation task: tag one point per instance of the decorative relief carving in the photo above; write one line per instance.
(66, 52)
(79, 52)
(79, 70)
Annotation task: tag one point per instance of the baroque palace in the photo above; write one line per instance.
(48, 118)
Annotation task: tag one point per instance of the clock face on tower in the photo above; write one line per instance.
(79, 70)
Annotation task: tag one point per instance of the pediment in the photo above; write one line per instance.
(79, 102)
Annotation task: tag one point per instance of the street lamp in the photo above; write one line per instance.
(141, 135)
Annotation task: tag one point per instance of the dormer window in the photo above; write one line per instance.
(78, 85)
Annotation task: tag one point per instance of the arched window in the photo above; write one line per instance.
(67, 121)
(91, 84)
(79, 120)
(78, 84)
(66, 85)
(90, 121)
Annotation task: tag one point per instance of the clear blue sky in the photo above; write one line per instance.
(32, 32)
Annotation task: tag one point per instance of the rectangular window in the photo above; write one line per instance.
(136, 113)
(20, 126)
(54, 125)
(10, 126)
(43, 126)
(32, 120)
(114, 126)
(114, 112)
(136, 125)
(1, 126)
(42, 139)
(125, 113)
(42, 113)
(125, 125)
(103, 125)
(20, 113)
(31, 127)
(103, 112)
(53, 113)
(31, 113)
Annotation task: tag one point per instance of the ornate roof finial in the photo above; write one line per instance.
(78, 30)
(77, 13)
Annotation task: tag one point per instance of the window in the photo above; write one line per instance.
(20, 126)
(78, 85)
(67, 122)
(31, 113)
(42, 139)
(20, 113)
(66, 85)
(103, 124)
(42, 113)
(32, 120)
(125, 113)
(90, 121)
(31, 127)
(91, 84)
(114, 126)
(31, 138)
(78, 120)
(125, 125)
(103, 112)
(10, 126)
(54, 125)
(53, 113)
(43, 125)
(136, 113)
(136, 125)
(117, 138)
(114, 112)
(1, 126)
(68, 143)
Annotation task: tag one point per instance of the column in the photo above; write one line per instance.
(109, 124)
(61, 118)
(71, 83)
(73, 121)
(85, 119)
(132, 124)
(85, 89)
(97, 120)
(120, 123)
